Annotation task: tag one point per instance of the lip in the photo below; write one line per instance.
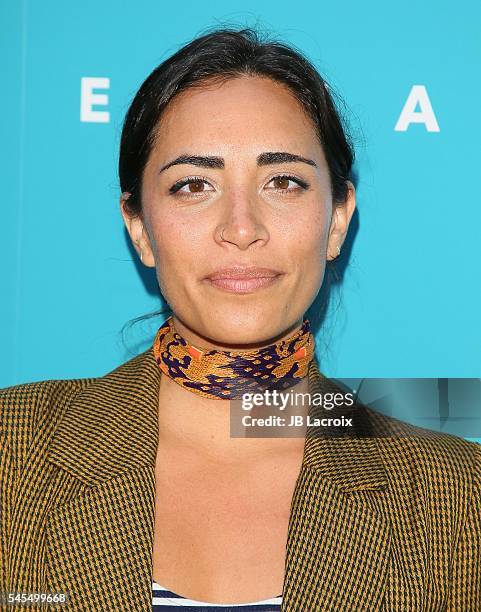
(241, 279)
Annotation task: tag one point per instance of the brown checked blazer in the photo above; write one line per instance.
(385, 520)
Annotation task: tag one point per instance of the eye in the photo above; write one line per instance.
(281, 183)
(194, 184)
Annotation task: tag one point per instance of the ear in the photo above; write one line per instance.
(137, 233)
(341, 217)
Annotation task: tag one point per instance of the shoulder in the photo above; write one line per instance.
(29, 401)
(37, 394)
(444, 466)
(410, 451)
(33, 408)
(420, 441)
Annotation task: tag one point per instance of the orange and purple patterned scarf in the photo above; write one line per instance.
(219, 374)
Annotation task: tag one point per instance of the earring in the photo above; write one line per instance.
(338, 250)
(141, 255)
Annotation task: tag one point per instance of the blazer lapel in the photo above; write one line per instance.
(99, 543)
(338, 546)
(100, 538)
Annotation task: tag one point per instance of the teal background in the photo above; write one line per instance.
(411, 291)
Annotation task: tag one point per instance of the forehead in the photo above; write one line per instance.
(244, 113)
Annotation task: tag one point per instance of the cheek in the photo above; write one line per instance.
(171, 237)
(177, 249)
(305, 236)
(306, 241)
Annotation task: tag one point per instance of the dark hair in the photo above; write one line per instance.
(217, 56)
(220, 55)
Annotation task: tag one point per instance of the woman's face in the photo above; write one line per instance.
(237, 178)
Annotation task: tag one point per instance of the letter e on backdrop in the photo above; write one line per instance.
(88, 99)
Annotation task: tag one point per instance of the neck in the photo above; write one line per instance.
(190, 423)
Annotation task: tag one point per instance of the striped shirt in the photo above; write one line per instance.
(164, 600)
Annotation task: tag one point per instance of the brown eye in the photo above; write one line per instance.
(190, 186)
(196, 186)
(281, 182)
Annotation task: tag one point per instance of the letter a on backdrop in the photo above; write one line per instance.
(425, 114)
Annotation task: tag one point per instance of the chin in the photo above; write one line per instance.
(253, 324)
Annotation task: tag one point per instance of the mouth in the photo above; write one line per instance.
(243, 280)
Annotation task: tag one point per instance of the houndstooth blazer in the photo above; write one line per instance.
(388, 519)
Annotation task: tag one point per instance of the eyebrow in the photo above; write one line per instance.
(264, 159)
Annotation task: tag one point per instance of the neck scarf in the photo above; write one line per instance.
(217, 374)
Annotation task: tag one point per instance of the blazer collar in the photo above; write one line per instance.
(111, 427)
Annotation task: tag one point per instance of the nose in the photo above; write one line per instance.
(241, 223)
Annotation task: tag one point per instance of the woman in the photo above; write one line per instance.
(234, 171)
